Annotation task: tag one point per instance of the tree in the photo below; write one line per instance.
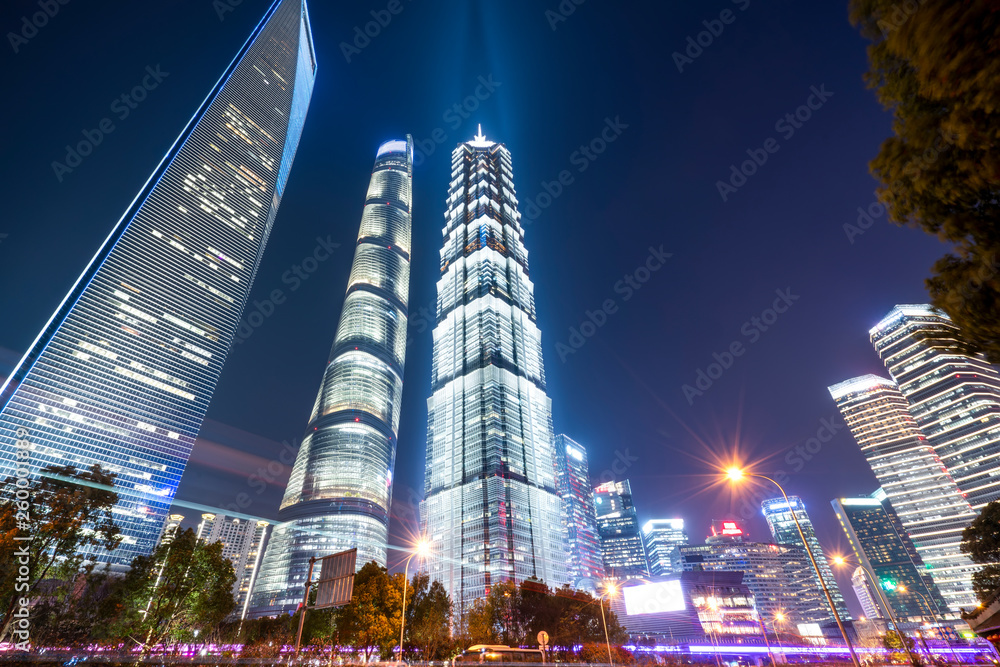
(934, 64)
(371, 621)
(893, 641)
(68, 511)
(183, 589)
(981, 542)
(428, 612)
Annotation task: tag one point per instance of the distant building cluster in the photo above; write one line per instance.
(124, 371)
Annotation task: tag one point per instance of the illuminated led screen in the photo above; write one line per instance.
(654, 598)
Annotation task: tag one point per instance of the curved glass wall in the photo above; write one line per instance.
(340, 488)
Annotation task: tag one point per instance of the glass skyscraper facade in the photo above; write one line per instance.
(954, 397)
(584, 567)
(923, 494)
(778, 514)
(886, 552)
(490, 504)
(660, 537)
(123, 372)
(779, 575)
(340, 487)
(618, 526)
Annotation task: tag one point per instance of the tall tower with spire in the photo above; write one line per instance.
(339, 491)
(490, 510)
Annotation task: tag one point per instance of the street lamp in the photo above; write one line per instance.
(610, 589)
(422, 549)
(840, 560)
(736, 474)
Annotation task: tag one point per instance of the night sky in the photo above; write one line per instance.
(555, 83)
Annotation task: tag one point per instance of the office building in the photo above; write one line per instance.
(954, 397)
(660, 537)
(340, 488)
(779, 575)
(705, 606)
(122, 373)
(884, 550)
(618, 527)
(243, 544)
(584, 564)
(490, 504)
(926, 499)
(778, 514)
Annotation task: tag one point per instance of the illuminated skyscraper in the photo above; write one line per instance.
(955, 398)
(490, 505)
(123, 372)
(779, 575)
(887, 552)
(243, 544)
(618, 526)
(584, 567)
(340, 488)
(660, 537)
(779, 518)
(924, 496)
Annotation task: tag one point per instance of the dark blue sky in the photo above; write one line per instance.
(555, 90)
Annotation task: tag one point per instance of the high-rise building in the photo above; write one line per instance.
(779, 575)
(866, 593)
(618, 527)
(660, 537)
(778, 514)
(882, 548)
(243, 544)
(584, 564)
(124, 370)
(340, 487)
(170, 528)
(954, 397)
(925, 497)
(490, 504)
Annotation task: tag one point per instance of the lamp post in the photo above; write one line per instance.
(779, 617)
(840, 560)
(609, 591)
(736, 474)
(422, 549)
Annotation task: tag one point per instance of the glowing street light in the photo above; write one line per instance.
(421, 549)
(736, 474)
(610, 590)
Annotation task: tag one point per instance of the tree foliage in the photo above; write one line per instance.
(981, 542)
(183, 589)
(370, 622)
(514, 615)
(935, 64)
(68, 511)
(428, 615)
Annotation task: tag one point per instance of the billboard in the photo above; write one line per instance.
(336, 579)
(654, 598)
